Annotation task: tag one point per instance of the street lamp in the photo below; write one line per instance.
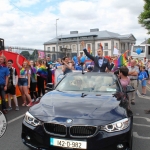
(56, 35)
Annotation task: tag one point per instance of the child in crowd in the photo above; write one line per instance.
(144, 76)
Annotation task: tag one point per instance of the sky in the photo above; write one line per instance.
(30, 23)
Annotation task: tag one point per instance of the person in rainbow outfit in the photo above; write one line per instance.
(24, 82)
(42, 74)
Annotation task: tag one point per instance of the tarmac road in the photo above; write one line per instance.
(11, 140)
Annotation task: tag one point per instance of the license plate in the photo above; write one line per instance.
(68, 143)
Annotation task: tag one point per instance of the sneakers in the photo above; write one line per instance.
(30, 104)
(9, 108)
(17, 108)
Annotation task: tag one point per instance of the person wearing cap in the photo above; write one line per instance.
(100, 62)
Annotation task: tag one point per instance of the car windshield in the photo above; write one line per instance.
(89, 82)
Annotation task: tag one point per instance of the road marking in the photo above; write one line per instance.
(147, 119)
(148, 88)
(143, 125)
(144, 97)
(135, 134)
(15, 119)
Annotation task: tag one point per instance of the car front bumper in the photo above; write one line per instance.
(37, 138)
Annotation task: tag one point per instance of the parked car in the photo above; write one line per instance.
(84, 111)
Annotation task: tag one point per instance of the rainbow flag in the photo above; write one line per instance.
(121, 61)
(42, 71)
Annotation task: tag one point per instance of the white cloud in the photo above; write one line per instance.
(18, 29)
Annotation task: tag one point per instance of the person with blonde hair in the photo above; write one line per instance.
(4, 74)
(24, 81)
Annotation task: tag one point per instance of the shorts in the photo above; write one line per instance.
(143, 83)
(22, 82)
(11, 90)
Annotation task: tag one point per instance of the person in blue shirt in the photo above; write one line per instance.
(144, 76)
(4, 73)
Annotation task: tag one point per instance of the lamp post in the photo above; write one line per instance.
(56, 35)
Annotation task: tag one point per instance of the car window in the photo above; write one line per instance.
(90, 83)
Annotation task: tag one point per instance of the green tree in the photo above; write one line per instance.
(26, 54)
(144, 17)
(34, 55)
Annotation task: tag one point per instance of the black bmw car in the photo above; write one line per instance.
(84, 111)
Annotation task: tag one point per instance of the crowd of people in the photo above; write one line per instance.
(33, 75)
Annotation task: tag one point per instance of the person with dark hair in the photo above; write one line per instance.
(41, 77)
(33, 81)
(100, 62)
(67, 66)
(123, 75)
(4, 74)
(11, 87)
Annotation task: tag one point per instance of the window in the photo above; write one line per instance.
(89, 82)
(48, 48)
(60, 48)
(105, 53)
(105, 45)
(141, 47)
(148, 50)
(98, 45)
(53, 49)
(117, 45)
(74, 48)
(88, 46)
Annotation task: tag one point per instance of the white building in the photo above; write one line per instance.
(92, 39)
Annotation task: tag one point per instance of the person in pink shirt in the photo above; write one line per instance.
(123, 75)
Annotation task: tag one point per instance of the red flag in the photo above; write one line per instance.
(13, 56)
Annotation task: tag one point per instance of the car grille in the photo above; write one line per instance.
(82, 131)
(57, 129)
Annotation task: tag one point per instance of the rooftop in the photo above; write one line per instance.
(93, 33)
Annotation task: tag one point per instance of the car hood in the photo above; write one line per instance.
(59, 106)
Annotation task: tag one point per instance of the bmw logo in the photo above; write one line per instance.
(69, 120)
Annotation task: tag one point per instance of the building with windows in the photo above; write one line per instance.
(71, 43)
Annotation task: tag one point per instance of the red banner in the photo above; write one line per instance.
(13, 56)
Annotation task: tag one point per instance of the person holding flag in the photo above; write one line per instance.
(100, 62)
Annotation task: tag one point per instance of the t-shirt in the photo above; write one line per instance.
(11, 74)
(135, 68)
(143, 74)
(125, 82)
(4, 72)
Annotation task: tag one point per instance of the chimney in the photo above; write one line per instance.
(73, 32)
(94, 30)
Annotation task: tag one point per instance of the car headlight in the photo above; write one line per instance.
(117, 126)
(31, 120)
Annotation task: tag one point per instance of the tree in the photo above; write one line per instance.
(144, 17)
(34, 55)
(26, 54)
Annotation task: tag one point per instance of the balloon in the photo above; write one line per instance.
(140, 77)
(75, 59)
(82, 59)
(138, 51)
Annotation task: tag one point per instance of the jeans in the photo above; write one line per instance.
(2, 94)
(40, 85)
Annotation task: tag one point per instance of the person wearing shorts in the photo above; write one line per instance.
(11, 87)
(143, 81)
(24, 82)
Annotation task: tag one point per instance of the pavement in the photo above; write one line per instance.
(11, 140)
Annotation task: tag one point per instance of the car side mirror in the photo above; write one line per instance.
(49, 87)
(129, 89)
